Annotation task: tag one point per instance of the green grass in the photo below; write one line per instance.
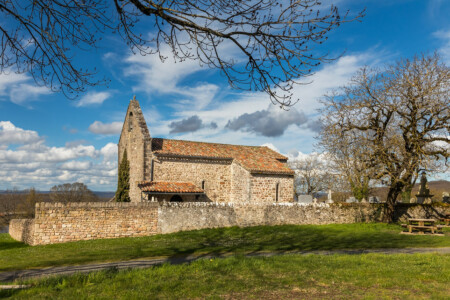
(369, 276)
(15, 255)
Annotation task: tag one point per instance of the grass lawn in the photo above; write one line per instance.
(369, 276)
(15, 255)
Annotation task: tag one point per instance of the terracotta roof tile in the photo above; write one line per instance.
(169, 187)
(256, 159)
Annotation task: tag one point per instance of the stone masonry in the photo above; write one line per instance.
(58, 223)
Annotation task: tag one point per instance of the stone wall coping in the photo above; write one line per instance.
(230, 204)
(21, 220)
(195, 204)
(95, 204)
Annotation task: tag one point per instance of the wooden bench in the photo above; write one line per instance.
(422, 229)
(422, 226)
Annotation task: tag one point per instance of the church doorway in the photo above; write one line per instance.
(176, 198)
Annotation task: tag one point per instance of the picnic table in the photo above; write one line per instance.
(422, 225)
(446, 219)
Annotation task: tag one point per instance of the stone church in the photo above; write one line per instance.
(176, 170)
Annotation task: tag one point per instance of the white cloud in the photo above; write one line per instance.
(74, 165)
(10, 134)
(444, 50)
(8, 79)
(93, 98)
(105, 128)
(36, 164)
(20, 88)
(109, 152)
(46, 154)
(153, 75)
(330, 77)
(271, 146)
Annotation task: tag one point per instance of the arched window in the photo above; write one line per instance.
(176, 198)
(277, 187)
(130, 121)
(203, 184)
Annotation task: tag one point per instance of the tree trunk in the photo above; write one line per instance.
(389, 209)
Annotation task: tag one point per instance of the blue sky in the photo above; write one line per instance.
(46, 139)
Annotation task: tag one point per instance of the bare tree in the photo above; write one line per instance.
(401, 116)
(311, 175)
(346, 153)
(27, 207)
(260, 45)
(8, 205)
(72, 192)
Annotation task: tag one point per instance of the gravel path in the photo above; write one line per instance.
(146, 263)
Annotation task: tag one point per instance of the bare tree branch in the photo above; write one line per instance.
(274, 44)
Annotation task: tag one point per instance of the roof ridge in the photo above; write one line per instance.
(212, 143)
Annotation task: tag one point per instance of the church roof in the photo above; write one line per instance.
(255, 159)
(169, 187)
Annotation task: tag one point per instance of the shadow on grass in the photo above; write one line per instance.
(6, 243)
(287, 238)
(216, 242)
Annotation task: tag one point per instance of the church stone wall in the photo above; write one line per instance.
(240, 184)
(264, 187)
(133, 138)
(215, 173)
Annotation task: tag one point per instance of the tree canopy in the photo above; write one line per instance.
(399, 116)
(260, 45)
(72, 192)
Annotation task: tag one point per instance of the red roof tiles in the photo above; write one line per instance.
(255, 159)
(169, 187)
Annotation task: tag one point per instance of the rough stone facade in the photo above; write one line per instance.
(135, 138)
(225, 173)
(57, 223)
(271, 188)
(240, 190)
(213, 176)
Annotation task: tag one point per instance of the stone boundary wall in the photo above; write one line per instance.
(22, 230)
(58, 223)
(174, 217)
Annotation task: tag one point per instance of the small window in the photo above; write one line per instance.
(276, 191)
(203, 184)
(130, 121)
